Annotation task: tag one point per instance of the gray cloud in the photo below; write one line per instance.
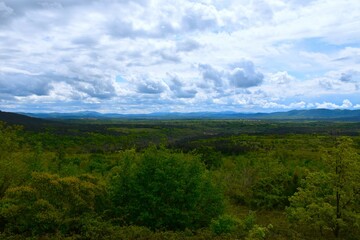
(211, 75)
(85, 41)
(125, 29)
(73, 50)
(187, 45)
(167, 56)
(199, 17)
(187, 18)
(149, 86)
(19, 84)
(179, 89)
(5, 10)
(239, 75)
(244, 75)
(350, 76)
(96, 89)
(93, 86)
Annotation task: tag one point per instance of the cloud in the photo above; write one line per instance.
(5, 10)
(350, 76)
(345, 104)
(179, 89)
(125, 29)
(211, 76)
(262, 10)
(86, 41)
(239, 75)
(187, 45)
(168, 56)
(20, 84)
(244, 75)
(281, 78)
(99, 89)
(150, 86)
(180, 54)
(199, 16)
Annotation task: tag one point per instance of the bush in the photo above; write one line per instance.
(171, 191)
(224, 225)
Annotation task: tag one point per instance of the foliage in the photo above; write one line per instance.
(258, 232)
(210, 157)
(273, 191)
(13, 170)
(49, 203)
(55, 180)
(330, 201)
(225, 224)
(166, 191)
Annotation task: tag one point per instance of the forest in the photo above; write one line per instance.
(179, 179)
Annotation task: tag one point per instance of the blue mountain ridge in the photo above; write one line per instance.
(312, 114)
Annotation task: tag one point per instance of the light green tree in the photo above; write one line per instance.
(329, 201)
(49, 204)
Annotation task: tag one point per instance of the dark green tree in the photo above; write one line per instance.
(166, 191)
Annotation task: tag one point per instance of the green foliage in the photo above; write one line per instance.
(249, 221)
(225, 224)
(330, 201)
(210, 157)
(49, 203)
(273, 191)
(53, 180)
(13, 169)
(258, 232)
(166, 191)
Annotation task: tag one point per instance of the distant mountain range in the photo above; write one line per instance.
(41, 121)
(313, 114)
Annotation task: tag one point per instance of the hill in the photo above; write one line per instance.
(26, 121)
(313, 114)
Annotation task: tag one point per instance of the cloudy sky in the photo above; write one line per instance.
(140, 56)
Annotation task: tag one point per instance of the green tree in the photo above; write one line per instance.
(210, 157)
(273, 191)
(13, 169)
(50, 203)
(166, 191)
(330, 200)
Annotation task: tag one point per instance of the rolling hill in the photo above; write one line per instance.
(313, 114)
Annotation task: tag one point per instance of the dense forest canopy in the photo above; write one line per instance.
(179, 179)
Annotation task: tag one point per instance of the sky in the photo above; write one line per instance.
(140, 56)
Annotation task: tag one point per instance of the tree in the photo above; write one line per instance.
(50, 203)
(330, 200)
(273, 191)
(165, 191)
(210, 157)
(13, 169)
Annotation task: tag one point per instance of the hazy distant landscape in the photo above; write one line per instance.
(314, 114)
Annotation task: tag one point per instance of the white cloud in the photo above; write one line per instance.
(346, 104)
(281, 78)
(179, 54)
